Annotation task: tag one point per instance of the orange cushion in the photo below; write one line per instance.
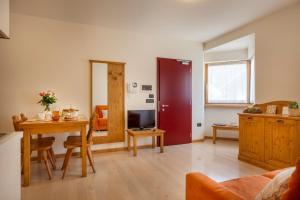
(293, 193)
(247, 187)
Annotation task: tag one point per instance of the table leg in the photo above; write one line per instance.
(134, 146)
(128, 142)
(153, 142)
(214, 135)
(162, 143)
(26, 156)
(39, 152)
(83, 150)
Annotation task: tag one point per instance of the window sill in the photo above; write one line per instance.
(229, 105)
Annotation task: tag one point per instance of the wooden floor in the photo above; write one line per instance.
(149, 176)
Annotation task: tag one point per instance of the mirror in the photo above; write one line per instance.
(99, 98)
(107, 101)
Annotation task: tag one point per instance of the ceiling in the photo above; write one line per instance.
(198, 20)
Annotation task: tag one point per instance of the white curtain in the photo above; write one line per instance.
(227, 83)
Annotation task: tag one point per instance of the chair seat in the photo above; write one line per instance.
(247, 187)
(41, 145)
(46, 139)
(73, 142)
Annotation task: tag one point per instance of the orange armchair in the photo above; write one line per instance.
(100, 122)
(201, 187)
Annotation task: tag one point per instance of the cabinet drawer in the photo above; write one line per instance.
(251, 119)
(280, 121)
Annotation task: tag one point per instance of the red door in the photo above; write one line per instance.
(175, 100)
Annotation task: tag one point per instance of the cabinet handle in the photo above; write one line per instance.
(250, 118)
(280, 121)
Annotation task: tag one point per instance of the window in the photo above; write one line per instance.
(228, 83)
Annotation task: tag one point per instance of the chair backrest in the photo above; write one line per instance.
(17, 120)
(91, 129)
(23, 117)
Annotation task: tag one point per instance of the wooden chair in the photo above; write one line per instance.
(44, 146)
(41, 139)
(73, 142)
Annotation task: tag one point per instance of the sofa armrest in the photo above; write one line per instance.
(272, 174)
(200, 187)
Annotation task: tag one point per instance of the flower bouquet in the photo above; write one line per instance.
(48, 98)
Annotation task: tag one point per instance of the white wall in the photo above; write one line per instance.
(277, 60)
(226, 55)
(48, 54)
(221, 114)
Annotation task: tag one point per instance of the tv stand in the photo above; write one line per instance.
(140, 129)
(145, 133)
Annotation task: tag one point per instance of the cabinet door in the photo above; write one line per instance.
(252, 137)
(279, 142)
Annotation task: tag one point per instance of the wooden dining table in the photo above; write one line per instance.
(35, 127)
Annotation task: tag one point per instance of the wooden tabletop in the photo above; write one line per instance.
(32, 122)
(38, 126)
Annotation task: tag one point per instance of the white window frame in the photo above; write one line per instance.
(248, 64)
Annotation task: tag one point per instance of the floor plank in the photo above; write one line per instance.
(150, 175)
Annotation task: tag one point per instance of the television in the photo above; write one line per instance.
(140, 119)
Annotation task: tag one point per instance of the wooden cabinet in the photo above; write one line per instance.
(269, 141)
(252, 137)
(10, 173)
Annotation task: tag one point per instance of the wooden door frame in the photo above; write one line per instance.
(108, 138)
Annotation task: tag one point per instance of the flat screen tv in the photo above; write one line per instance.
(141, 119)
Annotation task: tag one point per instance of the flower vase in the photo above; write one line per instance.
(47, 108)
(48, 115)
